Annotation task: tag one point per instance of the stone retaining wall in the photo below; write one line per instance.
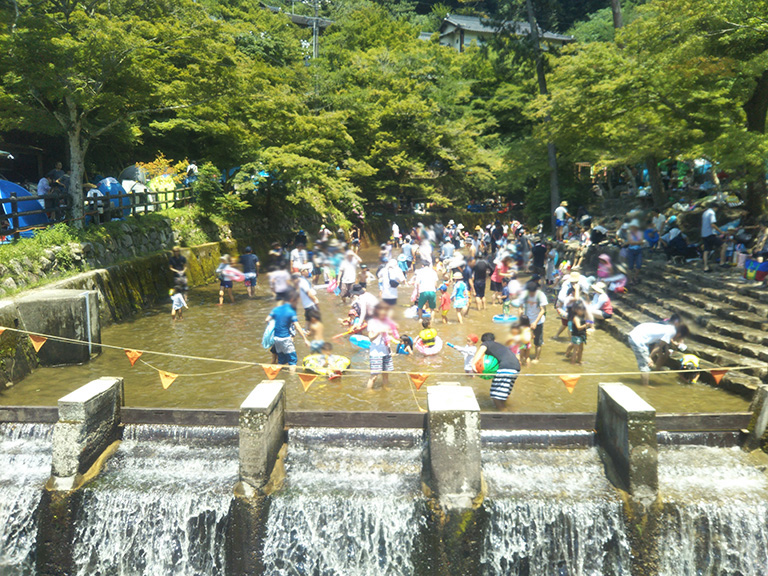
(123, 289)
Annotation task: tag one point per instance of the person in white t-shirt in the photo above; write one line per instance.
(348, 274)
(561, 216)
(426, 280)
(299, 258)
(710, 237)
(390, 278)
(650, 335)
(307, 293)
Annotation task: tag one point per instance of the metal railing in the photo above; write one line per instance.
(98, 209)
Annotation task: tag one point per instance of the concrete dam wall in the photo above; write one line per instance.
(452, 494)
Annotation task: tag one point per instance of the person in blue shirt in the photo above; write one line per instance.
(250, 264)
(286, 325)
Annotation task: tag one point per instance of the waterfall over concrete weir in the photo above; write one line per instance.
(161, 505)
(715, 517)
(551, 513)
(25, 465)
(350, 505)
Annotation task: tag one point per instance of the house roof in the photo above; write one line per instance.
(484, 25)
(300, 19)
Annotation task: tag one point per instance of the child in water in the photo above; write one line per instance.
(460, 296)
(526, 337)
(405, 346)
(428, 335)
(468, 351)
(178, 303)
(577, 325)
(225, 280)
(445, 303)
(315, 329)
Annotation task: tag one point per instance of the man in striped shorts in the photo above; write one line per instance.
(509, 368)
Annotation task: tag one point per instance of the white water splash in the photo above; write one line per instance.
(715, 515)
(25, 465)
(160, 507)
(346, 509)
(552, 513)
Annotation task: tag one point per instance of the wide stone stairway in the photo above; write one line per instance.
(728, 318)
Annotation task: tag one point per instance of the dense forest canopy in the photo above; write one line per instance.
(383, 116)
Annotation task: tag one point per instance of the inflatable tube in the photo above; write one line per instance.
(502, 319)
(488, 366)
(331, 365)
(418, 345)
(268, 339)
(232, 273)
(362, 342)
(413, 312)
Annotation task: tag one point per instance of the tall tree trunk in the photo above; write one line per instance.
(77, 165)
(616, 10)
(541, 78)
(657, 186)
(756, 109)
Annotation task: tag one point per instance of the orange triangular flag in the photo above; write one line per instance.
(1, 330)
(718, 375)
(271, 370)
(38, 341)
(167, 378)
(570, 381)
(418, 379)
(133, 355)
(306, 380)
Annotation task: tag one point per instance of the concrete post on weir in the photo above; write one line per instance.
(89, 422)
(452, 475)
(262, 424)
(85, 435)
(262, 420)
(626, 430)
(758, 424)
(453, 429)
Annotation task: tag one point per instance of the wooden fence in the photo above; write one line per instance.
(98, 209)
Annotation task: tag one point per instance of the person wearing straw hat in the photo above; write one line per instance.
(561, 215)
(601, 306)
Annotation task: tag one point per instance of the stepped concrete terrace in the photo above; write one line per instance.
(728, 317)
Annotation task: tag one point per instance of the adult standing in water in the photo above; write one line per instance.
(509, 368)
(308, 294)
(178, 265)
(480, 271)
(348, 274)
(426, 280)
(390, 278)
(533, 305)
(285, 319)
(250, 263)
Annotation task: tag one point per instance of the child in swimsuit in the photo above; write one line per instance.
(428, 335)
(405, 346)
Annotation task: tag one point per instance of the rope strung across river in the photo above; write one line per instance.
(244, 363)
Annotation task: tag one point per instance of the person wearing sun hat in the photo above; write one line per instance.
(600, 306)
(460, 296)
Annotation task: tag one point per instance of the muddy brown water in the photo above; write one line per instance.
(234, 331)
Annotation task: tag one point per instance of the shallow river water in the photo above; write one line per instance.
(234, 331)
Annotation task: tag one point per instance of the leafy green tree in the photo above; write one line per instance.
(86, 70)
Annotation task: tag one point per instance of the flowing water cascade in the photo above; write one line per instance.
(161, 504)
(715, 515)
(25, 465)
(551, 513)
(351, 504)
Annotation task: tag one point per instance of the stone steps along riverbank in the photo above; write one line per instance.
(121, 291)
(450, 519)
(728, 319)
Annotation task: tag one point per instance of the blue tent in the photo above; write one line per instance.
(7, 189)
(111, 187)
